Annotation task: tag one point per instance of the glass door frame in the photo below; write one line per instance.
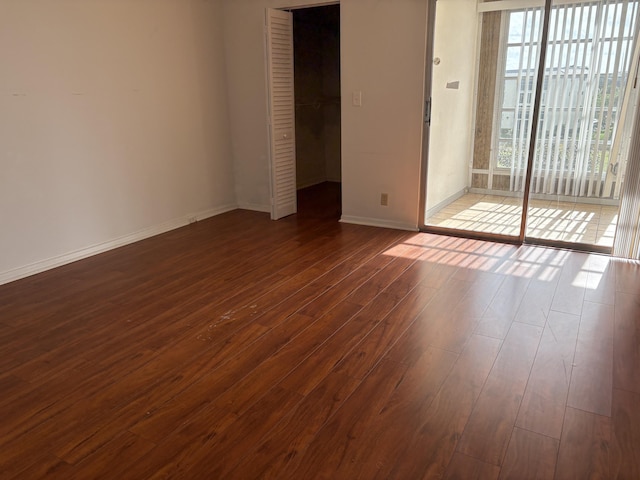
(426, 116)
(522, 237)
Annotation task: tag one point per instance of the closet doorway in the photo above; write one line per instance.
(303, 57)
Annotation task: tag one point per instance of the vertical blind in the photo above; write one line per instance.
(627, 240)
(587, 71)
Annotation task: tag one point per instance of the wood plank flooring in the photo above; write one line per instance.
(240, 348)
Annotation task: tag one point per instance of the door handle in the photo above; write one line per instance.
(427, 111)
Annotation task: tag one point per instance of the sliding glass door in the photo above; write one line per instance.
(501, 165)
(583, 135)
(480, 119)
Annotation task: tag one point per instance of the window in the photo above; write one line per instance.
(589, 56)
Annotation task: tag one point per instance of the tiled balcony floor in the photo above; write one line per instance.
(548, 219)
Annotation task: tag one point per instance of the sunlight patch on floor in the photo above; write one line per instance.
(548, 220)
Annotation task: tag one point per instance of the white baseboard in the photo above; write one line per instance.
(255, 207)
(378, 222)
(436, 208)
(317, 182)
(57, 261)
(212, 212)
(311, 183)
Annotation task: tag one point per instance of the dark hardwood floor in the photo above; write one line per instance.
(239, 348)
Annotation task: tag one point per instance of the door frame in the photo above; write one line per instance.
(521, 238)
(269, 90)
(426, 113)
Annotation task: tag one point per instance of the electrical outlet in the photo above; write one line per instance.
(384, 199)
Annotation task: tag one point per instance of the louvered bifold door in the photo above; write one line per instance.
(281, 113)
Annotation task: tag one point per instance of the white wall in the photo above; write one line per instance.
(383, 46)
(113, 124)
(382, 55)
(451, 135)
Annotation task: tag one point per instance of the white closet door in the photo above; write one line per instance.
(281, 113)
